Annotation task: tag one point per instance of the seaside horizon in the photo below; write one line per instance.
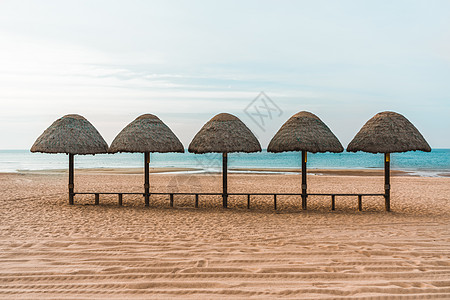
(433, 164)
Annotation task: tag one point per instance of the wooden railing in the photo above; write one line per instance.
(197, 196)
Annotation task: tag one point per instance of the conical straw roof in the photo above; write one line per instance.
(304, 131)
(146, 134)
(71, 134)
(388, 132)
(224, 133)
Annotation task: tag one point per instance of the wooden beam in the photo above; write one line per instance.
(224, 179)
(147, 178)
(304, 185)
(275, 201)
(387, 181)
(71, 178)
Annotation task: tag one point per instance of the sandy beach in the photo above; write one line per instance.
(55, 251)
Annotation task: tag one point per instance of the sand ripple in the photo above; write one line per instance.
(50, 250)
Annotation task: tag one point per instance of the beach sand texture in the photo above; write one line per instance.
(52, 250)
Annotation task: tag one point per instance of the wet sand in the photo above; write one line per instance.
(55, 251)
(347, 172)
(140, 171)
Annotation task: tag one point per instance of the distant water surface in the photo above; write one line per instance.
(428, 164)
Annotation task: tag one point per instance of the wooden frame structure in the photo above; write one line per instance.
(225, 195)
(304, 194)
(197, 196)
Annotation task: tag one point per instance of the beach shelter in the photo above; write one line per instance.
(146, 134)
(304, 132)
(71, 134)
(388, 132)
(224, 133)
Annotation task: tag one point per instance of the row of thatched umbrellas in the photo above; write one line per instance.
(386, 132)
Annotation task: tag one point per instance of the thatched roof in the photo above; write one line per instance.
(388, 132)
(146, 134)
(224, 133)
(304, 131)
(71, 134)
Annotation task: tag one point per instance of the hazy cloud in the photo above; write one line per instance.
(188, 60)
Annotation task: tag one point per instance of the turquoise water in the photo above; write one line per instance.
(429, 164)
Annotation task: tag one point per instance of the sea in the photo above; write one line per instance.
(431, 164)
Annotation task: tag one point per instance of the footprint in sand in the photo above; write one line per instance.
(202, 263)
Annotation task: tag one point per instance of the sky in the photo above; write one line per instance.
(185, 61)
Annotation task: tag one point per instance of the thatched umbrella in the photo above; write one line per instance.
(144, 135)
(388, 132)
(71, 134)
(304, 132)
(224, 133)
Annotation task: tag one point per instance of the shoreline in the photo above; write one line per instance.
(254, 171)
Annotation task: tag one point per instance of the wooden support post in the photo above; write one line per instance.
(248, 201)
(224, 179)
(333, 202)
(97, 199)
(120, 200)
(360, 202)
(387, 181)
(71, 185)
(147, 178)
(275, 201)
(196, 200)
(171, 200)
(304, 185)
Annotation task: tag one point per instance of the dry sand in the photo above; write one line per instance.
(52, 250)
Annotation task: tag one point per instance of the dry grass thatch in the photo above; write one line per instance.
(388, 132)
(304, 131)
(224, 133)
(146, 134)
(71, 134)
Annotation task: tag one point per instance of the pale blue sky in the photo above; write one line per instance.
(186, 61)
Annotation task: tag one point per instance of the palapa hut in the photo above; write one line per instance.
(224, 133)
(71, 134)
(388, 132)
(144, 135)
(304, 132)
